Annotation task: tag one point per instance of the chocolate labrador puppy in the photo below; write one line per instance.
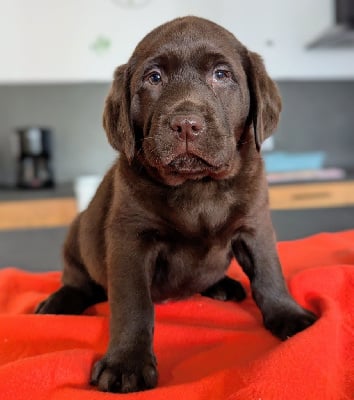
(188, 114)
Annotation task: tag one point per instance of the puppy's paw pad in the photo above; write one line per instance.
(124, 377)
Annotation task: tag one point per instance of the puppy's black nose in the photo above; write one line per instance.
(188, 127)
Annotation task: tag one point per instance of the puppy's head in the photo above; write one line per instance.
(188, 102)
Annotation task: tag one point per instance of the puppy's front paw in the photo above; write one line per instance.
(137, 372)
(288, 321)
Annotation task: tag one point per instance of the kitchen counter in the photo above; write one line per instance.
(38, 208)
(40, 249)
(33, 224)
(32, 249)
(52, 208)
(296, 224)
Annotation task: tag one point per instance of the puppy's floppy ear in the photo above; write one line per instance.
(265, 100)
(116, 115)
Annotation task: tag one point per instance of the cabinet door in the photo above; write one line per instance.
(280, 31)
(38, 41)
(80, 40)
(84, 40)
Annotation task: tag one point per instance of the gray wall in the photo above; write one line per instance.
(316, 115)
(75, 114)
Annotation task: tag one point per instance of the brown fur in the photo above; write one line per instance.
(188, 114)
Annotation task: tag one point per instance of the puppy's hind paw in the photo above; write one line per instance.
(66, 300)
(225, 290)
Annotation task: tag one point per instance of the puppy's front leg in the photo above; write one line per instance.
(129, 364)
(255, 250)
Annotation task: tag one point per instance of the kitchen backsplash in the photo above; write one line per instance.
(73, 111)
(316, 116)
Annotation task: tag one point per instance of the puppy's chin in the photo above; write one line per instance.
(188, 167)
(188, 164)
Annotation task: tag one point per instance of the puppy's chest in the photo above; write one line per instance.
(204, 219)
(192, 256)
(192, 244)
(184, 268)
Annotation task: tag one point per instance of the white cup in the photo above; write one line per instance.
(85, 187)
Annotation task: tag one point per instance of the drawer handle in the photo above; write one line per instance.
(309, 196)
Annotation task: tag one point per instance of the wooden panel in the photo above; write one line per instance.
(61, 211)
(318, 195)
(37, 213)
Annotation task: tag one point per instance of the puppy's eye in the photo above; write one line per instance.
(154, 78)
(221, 75)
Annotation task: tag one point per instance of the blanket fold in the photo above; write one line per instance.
(206, 349)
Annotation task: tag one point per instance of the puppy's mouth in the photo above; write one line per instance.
(189, 164)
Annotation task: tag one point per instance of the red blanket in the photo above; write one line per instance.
(206, 349)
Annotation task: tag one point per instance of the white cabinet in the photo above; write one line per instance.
(83, 40)
(280, 31)
(71, 40)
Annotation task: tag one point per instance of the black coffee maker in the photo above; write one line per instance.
(34, 170)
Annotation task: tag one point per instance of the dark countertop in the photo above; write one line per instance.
(8, 193)
(61, 190)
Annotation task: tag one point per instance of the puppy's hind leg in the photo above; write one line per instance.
(70, 300)
(226, 289)
(79, 291)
